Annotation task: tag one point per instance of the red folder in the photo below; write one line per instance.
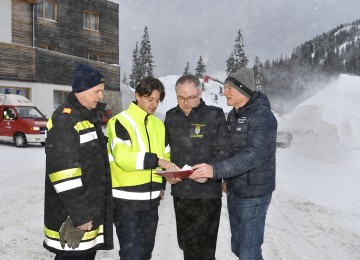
(182, 174)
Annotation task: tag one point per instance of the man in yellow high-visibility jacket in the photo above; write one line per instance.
(137, 147)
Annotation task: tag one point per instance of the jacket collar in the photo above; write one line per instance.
(137, 111)
(94, 115)
(194, 109)
(256, 99)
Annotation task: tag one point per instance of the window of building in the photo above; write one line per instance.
(16, 90)
(91, 21)
(47, 9)
(59, 98)
(48, 47)
(93, 56)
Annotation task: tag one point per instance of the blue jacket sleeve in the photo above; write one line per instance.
(262, 127)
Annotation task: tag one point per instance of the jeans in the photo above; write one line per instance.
(247, 224)
(136, 232)
(197, 225)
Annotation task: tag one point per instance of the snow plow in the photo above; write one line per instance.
(283, 139)
(207, 77)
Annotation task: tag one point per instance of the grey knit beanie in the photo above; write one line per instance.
(242, 80)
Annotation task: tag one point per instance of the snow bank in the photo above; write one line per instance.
(327, 125)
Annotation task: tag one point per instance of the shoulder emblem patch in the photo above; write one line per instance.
(67, 110)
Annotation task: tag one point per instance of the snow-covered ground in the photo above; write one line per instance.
(314, 214)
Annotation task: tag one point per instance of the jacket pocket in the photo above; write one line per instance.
(260, 178)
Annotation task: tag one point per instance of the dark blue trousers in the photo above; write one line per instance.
(136, 232)
(247, 222)
(77, 257)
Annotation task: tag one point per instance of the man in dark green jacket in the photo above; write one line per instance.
(197, 133)
(78, 211)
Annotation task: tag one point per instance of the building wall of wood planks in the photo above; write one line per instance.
(66, 33)
(25, 63)
(17, 62)
(26, 60)
(22, 25)
(69, 36)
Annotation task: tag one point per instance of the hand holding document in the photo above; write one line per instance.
(185, 172)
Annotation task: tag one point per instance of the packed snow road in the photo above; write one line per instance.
(297, 226)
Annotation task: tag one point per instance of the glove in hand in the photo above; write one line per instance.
(70, 234)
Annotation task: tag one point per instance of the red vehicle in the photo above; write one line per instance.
(20, 121)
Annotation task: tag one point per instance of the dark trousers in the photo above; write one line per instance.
(136, 232)
(197, 223)
(78, 257)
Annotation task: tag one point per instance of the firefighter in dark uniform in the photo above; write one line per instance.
(78, 211)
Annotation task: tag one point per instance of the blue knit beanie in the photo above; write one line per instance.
(86, 77)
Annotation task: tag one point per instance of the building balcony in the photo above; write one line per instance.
(29, 64)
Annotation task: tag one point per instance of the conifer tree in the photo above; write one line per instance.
(258, 74)
(216, 98)
(146, 57)
(136, 73)
(237, 58)
(124, 80)
(187, 69)
(230, 64)
(200, 68)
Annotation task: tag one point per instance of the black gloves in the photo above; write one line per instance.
(70, 234)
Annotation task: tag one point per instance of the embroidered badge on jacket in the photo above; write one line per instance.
(197, 132)
(67, 110)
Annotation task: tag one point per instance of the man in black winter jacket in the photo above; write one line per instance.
(250, 172)
(78, 198)
(197, 133)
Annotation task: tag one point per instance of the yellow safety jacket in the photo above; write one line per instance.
(136, 141)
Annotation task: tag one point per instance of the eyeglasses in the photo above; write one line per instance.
(188, 99)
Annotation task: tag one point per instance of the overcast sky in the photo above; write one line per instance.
(182, 30)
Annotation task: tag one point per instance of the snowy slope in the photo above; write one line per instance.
(315, 209)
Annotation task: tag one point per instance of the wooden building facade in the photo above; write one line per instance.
(48, 38)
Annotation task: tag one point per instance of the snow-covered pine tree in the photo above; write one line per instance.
(136, 73)
(146, 57)
(230, 64)
(258, 74)
(200, 68)
(237, 58)
(124, 79)
(187, 69)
